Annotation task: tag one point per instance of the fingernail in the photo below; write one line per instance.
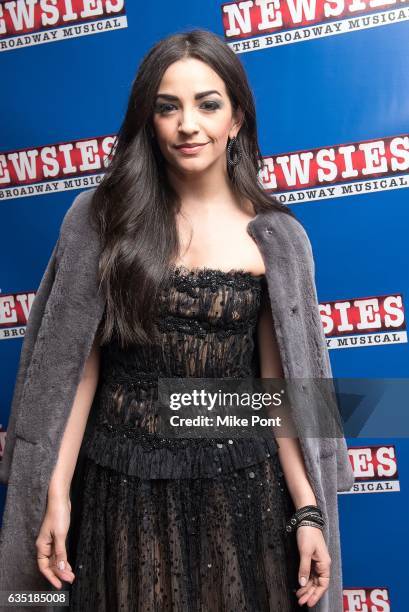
(303, 581)
(61, 565)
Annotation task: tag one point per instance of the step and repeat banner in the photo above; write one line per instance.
(331, 84)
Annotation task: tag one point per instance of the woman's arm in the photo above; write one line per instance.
(290, 455)
(60, 482)
(314, 561)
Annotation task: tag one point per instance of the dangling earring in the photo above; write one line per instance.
(233, 148)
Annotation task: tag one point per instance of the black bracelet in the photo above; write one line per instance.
(309, 524)
(310, 507)
(294, 523)
(306, 515)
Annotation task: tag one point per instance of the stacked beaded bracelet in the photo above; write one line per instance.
(307, 515)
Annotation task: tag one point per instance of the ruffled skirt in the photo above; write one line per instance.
(184, 545)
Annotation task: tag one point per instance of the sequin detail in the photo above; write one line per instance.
(189, 545)
(182, 525)
(207, 320)
(133, 451)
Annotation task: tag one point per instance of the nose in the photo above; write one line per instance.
(188, 123)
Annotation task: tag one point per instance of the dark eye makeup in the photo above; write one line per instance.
(163, 108)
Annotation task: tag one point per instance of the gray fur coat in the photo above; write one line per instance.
(61, 328)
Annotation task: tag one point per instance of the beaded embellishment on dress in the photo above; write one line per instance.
(207, 320)
(182, 525)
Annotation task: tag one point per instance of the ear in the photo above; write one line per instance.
(238, 117)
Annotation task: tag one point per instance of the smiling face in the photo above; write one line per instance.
(192, 106)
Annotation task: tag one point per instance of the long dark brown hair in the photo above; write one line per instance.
(133, 208)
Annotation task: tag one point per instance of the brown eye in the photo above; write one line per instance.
(163, 108)
(212, 105)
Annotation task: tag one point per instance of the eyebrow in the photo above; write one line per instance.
(199, 95)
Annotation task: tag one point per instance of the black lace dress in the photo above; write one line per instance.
(182, 525)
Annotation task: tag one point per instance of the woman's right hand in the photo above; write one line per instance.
(50, 543)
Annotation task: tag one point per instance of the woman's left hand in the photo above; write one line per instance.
(315, 564)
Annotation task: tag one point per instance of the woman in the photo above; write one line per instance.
(152, 526)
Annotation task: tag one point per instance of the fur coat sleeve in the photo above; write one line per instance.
(61, 328)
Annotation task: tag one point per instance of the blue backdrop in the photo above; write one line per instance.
(320, 81)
